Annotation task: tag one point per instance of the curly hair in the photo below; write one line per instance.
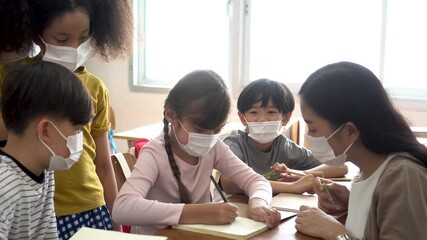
(16, 27)
(110, 22)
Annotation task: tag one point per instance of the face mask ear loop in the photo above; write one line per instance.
(349, 146)
(59, 131)
(335, 132)
(48, 148)
(180, 123)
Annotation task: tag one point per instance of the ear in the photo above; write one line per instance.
(170, 114)
(286, 118)
(242, 118)
(43, 131)
(352, 131)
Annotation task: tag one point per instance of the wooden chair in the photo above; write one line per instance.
(122, 164)
(296, 130)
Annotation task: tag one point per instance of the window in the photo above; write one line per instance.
(176, 37)
(244, 40)
(291, 39)
(406, 49)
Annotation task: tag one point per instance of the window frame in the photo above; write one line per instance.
(239, 13)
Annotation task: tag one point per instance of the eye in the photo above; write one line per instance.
(61, 41)
(198, 129)
(252, 112)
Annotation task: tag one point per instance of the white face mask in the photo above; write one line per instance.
(323, 151)
(198, 144)
(74, 145)
(264, 132)
(69, 57)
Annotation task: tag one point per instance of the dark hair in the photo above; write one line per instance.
(262, 90)
(202, 95)
(16, 27)
(110, 22)
(44, 88)
(347, 92)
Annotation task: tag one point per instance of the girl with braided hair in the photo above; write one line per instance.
(170, 182)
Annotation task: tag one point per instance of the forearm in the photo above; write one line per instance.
(281, 187)
(329, 171)
(108, 181)
(192, 213)
(105, 172)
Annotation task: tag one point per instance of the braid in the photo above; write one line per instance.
(183, 191)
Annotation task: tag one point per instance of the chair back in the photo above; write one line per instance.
(123, 165)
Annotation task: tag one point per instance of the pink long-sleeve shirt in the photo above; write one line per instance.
(150, 198)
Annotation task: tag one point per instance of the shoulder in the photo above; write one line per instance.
(404, 163)
(236, 136)
(6, 165)
(91, 81)
(5, 66)
(154, 149)
(12, 179)
(403, 168)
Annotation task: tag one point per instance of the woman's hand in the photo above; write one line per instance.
(337, 201)
(259, 211)
(314, 222)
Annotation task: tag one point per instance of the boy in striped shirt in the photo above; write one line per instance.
(44, 106)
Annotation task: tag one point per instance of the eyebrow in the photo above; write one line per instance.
(63, 34)
(67, 34)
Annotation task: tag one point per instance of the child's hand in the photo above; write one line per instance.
(279, 167)
(277, 172)
(338, 198)
(304, 184)
(259, 211)
(218, 213)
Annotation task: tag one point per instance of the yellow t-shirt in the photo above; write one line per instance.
(79, 188)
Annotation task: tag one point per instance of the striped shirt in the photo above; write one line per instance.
(26, 202)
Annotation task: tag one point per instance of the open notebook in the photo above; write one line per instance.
(292, 202)
(95, 234)
(242, 228)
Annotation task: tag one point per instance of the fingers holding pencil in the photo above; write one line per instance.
(332, 197)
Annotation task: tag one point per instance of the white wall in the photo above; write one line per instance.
(134, 109)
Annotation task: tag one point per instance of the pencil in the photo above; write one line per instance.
(326, 190)
(218, 189)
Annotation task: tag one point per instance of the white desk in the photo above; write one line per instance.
(420, 132)
(153, 130)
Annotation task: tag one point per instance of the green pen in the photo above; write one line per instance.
(326, 190)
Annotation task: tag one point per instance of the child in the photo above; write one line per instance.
(67, 31)
(170, 181)
(264, 107)
(44, 108)
(350, 115)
